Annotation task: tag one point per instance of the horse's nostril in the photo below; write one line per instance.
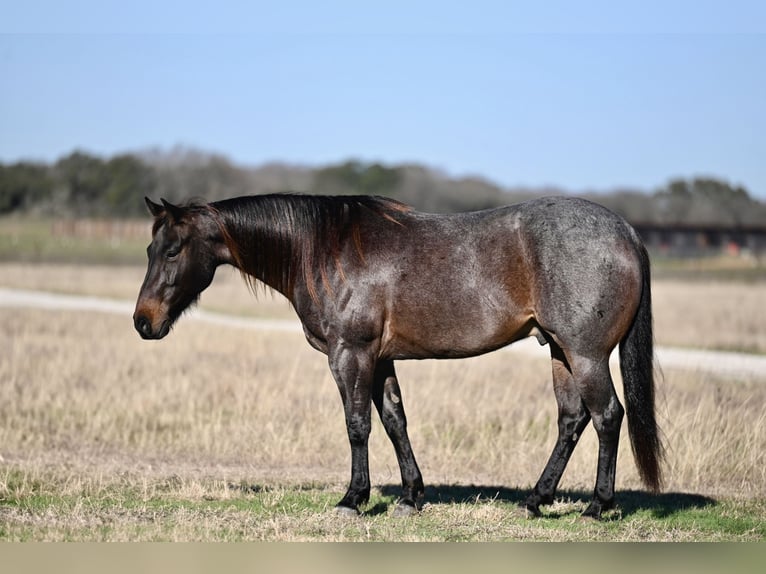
(143, 326)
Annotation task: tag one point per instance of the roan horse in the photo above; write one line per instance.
(374, 281)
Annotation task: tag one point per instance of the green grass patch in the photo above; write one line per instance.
(52, 508)
(32, 240)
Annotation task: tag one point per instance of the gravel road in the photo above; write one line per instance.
(719, 362)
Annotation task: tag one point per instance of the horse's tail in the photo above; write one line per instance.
(637, 367)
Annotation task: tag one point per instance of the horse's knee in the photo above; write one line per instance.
(571, 421)
(359, 427)
(394, 423)
(595, 386)
(392, 412)
(608, 421)
(358, 437)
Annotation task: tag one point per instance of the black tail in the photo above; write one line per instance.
(637, 367)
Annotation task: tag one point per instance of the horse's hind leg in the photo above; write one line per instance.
(597, 391)
(388, 400)
(573, 417)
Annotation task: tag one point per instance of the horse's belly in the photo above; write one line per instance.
(451, 334)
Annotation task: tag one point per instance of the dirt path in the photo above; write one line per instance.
(719, 362)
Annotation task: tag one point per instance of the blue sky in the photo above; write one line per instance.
(582, 96)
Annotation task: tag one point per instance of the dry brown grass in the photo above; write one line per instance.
(711, 315)
(87, 406)
(81, 390)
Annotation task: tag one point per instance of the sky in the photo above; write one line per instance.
(584, 96)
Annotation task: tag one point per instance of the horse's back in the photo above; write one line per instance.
(550, 217)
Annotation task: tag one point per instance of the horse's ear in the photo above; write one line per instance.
(154, 208)
(175, 212)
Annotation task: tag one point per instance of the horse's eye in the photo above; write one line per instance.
(172, 253)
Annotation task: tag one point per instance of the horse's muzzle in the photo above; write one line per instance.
(145, 328)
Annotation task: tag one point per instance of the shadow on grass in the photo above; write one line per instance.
(628, 501)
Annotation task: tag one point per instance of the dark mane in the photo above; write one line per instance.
(278, 238)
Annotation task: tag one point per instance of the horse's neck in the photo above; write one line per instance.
(258, 249)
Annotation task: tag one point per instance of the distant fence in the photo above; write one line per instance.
(682, 240)
(112, 230)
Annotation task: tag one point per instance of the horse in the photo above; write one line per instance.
(374, 281)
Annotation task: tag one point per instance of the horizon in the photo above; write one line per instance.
(616, 98)
(182, 152)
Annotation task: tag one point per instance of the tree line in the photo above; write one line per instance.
(85, 185)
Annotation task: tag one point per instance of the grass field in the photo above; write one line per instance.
(218, 434)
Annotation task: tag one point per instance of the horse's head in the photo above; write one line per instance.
(185, 250)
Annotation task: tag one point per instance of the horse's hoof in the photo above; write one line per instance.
(527, 511)
(591, 515)
(346, 511)
(403, 509)
(596, 508)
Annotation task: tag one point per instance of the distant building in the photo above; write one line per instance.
(689, 240)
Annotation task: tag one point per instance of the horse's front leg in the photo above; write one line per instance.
(388, 400)
(353, 369)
